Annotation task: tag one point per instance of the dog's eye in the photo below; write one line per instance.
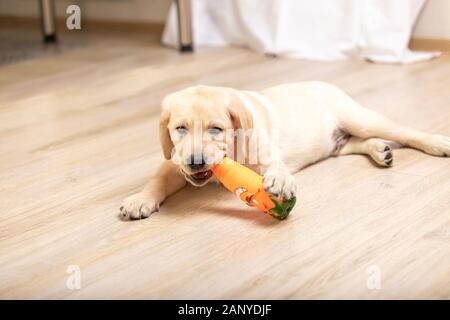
(215, 130)
(181, 129)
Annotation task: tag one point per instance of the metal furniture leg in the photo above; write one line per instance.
(48, 20)
(184, 25)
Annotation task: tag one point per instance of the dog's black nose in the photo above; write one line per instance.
(196, 161)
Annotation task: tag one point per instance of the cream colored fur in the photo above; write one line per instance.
(297, 124)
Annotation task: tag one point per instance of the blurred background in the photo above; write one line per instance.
(380, 30)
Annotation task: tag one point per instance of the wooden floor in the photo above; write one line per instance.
(78, 133)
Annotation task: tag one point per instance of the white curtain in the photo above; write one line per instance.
(378, 30)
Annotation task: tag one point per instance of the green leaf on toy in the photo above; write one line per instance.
(281, 211)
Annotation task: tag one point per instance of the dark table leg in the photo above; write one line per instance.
(48, 20)
(184, 25)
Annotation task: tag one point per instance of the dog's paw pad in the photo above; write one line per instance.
(381, 153)
(388, 158)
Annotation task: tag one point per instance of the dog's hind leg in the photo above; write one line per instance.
(377, 149)
(364, 123)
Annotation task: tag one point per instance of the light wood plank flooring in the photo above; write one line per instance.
(78, 133)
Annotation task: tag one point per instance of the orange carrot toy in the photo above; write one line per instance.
(248, 186)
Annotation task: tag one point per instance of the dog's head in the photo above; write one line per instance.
(197, 129)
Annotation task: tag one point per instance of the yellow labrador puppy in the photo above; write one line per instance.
(282, 129)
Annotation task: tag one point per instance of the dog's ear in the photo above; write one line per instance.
(240, 114)
(164, 136)
(242, 120)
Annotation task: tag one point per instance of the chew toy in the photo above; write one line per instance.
(248, 186)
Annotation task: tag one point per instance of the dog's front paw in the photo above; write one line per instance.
(138, 206)
(280, 184)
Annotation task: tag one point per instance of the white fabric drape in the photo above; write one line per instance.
(378, 30)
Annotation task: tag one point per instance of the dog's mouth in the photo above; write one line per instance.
(199, 178)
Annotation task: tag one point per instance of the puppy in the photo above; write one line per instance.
(283, 129)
